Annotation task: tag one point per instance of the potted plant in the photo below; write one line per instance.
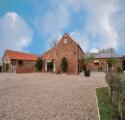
(86, 61)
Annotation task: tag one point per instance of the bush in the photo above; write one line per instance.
(64, 65)
(119, 70)
(7, 67)
(116, 90)
(39, 64)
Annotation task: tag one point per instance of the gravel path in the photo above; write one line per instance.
(47, 96)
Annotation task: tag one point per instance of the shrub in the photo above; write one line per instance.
(116, 87)
(64, 64)
(111, 62)
(39, 64)
(119, 70)
(7, 67)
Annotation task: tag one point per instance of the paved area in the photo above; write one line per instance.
(46, 96)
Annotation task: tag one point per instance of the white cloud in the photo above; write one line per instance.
(101, 30)
(98, 23)
(15, 34)
(94, 50)
(101, 23)
(55, 21)
(80, 38)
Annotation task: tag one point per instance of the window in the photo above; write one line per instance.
(65, 35)
(20, 62)
(65, 41)
(13, 62)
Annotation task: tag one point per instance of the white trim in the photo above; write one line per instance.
(54, 67)
(48, 61)
(45, 66)
(97, 101)
(97, 104)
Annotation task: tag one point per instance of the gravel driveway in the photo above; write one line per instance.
(47, 96)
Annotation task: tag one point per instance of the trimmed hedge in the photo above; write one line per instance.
(39, 64)
(64, 65)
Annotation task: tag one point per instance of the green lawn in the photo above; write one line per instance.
(104, 103)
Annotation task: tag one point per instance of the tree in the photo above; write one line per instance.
(87, 59)
(53, 43)
(111, 62)
(39, 64)
(64, 64)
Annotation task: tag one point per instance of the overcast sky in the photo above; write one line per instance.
(30, 25)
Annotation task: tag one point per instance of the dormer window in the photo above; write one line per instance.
(65, 41)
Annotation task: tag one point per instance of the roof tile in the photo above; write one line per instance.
(21, 55)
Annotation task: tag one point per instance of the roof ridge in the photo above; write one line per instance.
(20, 55)
(20, 52)
(47, 51)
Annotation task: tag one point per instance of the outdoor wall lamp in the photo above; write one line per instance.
(7, 62)
(96, 62)
(48, 61)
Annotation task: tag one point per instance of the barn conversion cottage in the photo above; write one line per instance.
(102, 58)
(14, 61)
(66, 47)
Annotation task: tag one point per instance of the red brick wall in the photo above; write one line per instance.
(25, 69)
(80, 58)
(69, 51)
(103, 65)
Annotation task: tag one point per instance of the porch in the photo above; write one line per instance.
(49, 65)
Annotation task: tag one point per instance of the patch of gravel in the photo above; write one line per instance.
(47, 96)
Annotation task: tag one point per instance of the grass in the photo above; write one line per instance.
(104, 103)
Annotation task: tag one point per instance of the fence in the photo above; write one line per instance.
(116, 88)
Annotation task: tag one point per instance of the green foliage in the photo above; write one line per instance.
(7, 67)
(116, 86)
(64, 64)
(104, 103)
(39, 64)
(112, 61)
(119, 70)
(88, 59)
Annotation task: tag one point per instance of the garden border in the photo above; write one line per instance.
(97, 102)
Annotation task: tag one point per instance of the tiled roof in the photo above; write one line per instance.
(50, 54)
(108, 55)
(104, 55)
(20, 55)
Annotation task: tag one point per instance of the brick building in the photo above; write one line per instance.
(14, 61)
(100, 63)
(67, 48)
(20, 62)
